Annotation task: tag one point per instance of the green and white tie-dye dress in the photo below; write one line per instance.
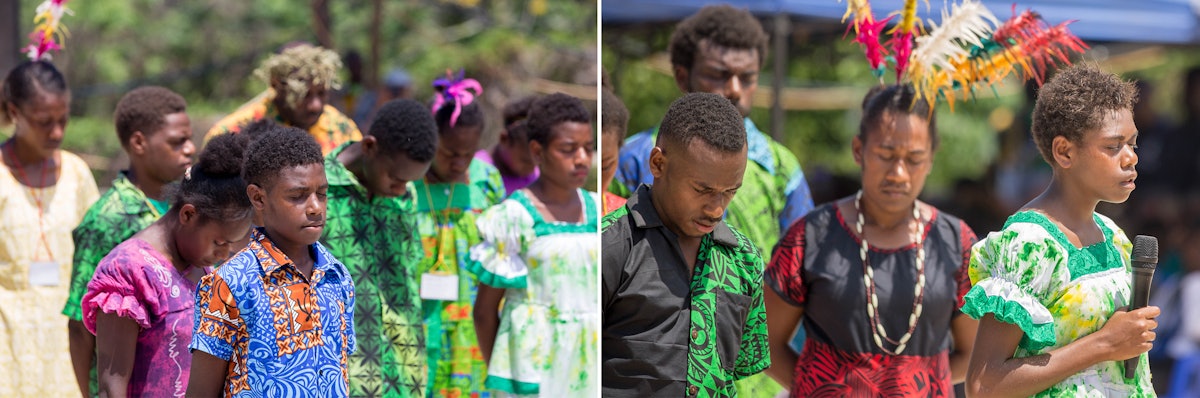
(1029, 274)
(550, 323)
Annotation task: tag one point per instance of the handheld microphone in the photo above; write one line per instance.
(1144, 259)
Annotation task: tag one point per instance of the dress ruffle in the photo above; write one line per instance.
(1009, 304)
(124, 306)
(506, 231)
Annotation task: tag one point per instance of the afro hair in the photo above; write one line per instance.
(277, 149)
(722, 25)
(549, 111)
(145, 109)
(705, 116)
(1078, 99)
(405, 126)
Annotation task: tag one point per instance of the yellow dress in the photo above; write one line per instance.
(34, 356)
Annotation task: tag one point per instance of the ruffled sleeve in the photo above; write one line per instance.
(122, 287)
(1011, 271)
(505, 230)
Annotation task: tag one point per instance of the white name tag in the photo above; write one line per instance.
(439, 287)
(43, 273)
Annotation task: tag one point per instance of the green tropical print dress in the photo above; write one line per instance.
(446, 215)
(1030, 275)
(550, 322)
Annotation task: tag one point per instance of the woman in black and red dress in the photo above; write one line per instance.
(878, 277)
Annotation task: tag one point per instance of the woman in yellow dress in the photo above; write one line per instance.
(44, 192)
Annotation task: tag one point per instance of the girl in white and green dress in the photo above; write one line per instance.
(538, 254)
(1051, 287)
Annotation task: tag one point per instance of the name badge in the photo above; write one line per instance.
(439, 286)
(43, 273)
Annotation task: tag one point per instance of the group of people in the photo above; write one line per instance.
(719, 256)
(295, 255)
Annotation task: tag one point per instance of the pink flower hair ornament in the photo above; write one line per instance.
(455, 89)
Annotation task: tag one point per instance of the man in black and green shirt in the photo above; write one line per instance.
(370, 226)
(681, 290)
(153, 127)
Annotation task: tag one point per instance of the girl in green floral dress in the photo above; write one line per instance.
(455, 190)
(539, 255)
(1050, 287)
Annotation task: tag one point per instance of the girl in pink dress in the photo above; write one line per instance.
(139, 303)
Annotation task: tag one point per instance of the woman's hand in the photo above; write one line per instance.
(1129, 334)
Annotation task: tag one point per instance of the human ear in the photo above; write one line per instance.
(188, 214)
(658, 162)
(537, 150)
(682, 75)
(1062, 150)
(856, 147)
(138, 143)
(369, 145)
(258, 196)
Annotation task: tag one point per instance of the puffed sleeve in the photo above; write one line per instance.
(505, 231)
(1013, 270)
(122, 287)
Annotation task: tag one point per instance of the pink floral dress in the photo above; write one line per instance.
(135, 281)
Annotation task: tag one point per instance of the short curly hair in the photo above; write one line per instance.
(1077, 99)
(549, 111)
(214, 185)
(405, 126)
(276, 149)
(723, 25)
(704, 116)
(614, 117)
(145, 109)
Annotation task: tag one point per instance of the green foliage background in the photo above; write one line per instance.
(207, 51)
(819, 57)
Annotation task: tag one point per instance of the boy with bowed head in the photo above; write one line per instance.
(372, 228)
(681, 290)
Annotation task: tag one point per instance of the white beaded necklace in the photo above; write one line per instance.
(869, 280)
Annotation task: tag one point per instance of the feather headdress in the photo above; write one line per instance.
(47, 33)
(969, 49)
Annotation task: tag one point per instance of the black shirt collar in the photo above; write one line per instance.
(641, 209)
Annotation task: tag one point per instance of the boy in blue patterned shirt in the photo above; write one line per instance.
(277, 318)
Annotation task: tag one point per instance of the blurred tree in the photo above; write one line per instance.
(207, 50)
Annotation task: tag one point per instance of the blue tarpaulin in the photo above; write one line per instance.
(1148, 21)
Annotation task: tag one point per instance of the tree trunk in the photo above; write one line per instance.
(373, 72)
(321, 22)
(10, 35)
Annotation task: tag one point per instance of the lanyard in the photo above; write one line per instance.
(36, 193)
(445, 231)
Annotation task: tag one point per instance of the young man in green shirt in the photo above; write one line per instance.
(681, 291)
(154, 129)
(371, 227)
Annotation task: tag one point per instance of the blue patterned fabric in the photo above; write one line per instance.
(284, 335)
